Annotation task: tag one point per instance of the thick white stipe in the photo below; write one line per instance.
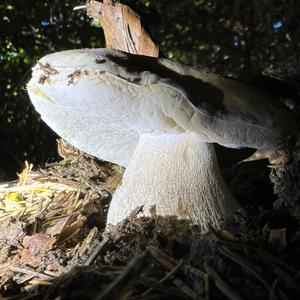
(179, 175)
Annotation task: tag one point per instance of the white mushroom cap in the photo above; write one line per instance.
(122, 96)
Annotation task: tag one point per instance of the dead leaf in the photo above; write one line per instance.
(122, 28)
(58, 227)
(68, 231)
(225, 235)
(35, 247)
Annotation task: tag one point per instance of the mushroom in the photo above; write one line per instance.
(158, 119)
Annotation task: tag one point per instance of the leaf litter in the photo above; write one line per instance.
(54, 245)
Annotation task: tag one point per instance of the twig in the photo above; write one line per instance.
(171, 273)
(148, 297)
(259, 253)
(98, 249)
(271, 259)
(195, 271)
(88, 242)
(274, 263)
(245, 264)
(167, 261)
(186, 290)
(273, 289)
(170, 263)
(207, 287)
(204, 276)
(237, 246)
(37, 216)
(79, 7)
(283, 296)
(221, 284)
(156, 285)
(30, 272)
(40, 282)
(132, 270)
(285, 277)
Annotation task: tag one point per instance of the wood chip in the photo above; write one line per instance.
(122, 28)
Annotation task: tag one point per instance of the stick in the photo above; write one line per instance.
(79, 7)
(171, 273)
(29, 272)
(244, 264)
(221, 284)
(132, 270)
(97, 251)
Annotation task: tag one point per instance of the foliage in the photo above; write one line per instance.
(236, 38)
(29, 30)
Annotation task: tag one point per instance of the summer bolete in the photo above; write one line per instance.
(157, 118)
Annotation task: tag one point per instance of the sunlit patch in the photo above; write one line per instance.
(277, 25)
(170, 122)
(39, 93)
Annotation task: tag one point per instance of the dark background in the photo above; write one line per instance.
(236, 38)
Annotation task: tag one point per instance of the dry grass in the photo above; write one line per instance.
(51, 219)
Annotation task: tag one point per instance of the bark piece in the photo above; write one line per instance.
(122, 28)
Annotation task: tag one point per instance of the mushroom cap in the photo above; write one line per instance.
(102, 100)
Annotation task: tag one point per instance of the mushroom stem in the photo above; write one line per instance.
(179, 175)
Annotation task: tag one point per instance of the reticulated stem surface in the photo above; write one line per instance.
(179, 175)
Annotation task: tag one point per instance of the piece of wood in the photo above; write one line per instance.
(122, 28)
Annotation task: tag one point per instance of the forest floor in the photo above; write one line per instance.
(54, 245)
